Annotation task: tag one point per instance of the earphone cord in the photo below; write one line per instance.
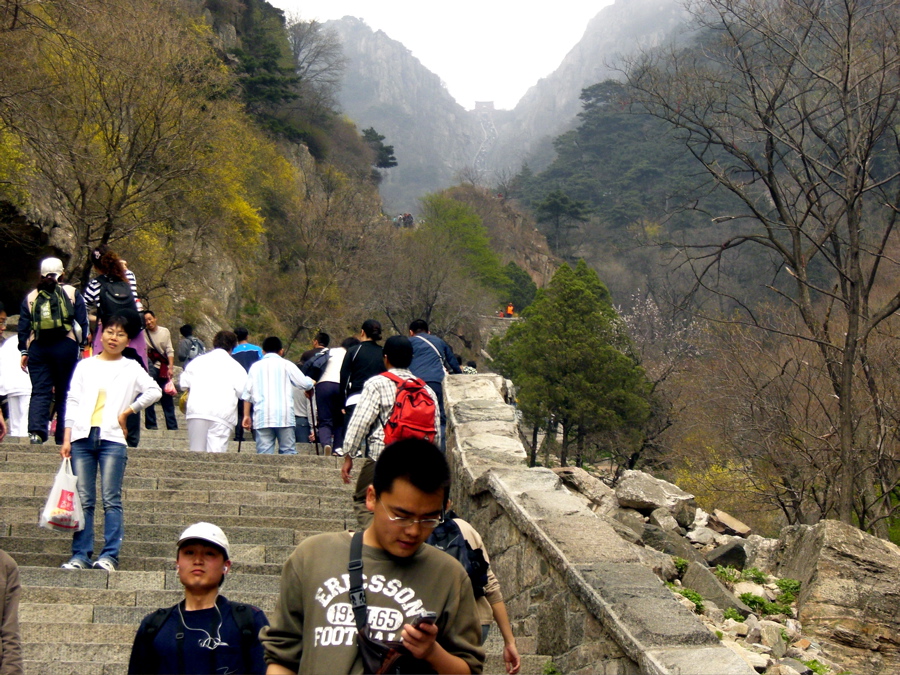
(209, 642)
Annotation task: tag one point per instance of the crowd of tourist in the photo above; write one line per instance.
(84, 365)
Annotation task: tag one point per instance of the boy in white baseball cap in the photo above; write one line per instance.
(205, 632)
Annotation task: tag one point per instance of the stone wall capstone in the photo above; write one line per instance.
(575, 590)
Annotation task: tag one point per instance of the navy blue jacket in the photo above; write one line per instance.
(430, 356)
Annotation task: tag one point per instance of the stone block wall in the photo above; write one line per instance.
(575, 590)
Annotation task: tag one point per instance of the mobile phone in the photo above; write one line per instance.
(424, 617)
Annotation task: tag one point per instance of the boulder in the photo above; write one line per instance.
(631, 519)
(726, 524)
(699, 578)
(742, 587)
(684, 513)
(670, 543)
(801, 668)
(701, 518)
(627, 533)
(771, 635)
(762, 553)
(759, 662)
(850, 593)
(602, 497)
(732, 554)
(664, 519)
(701, 535)
(639, 490)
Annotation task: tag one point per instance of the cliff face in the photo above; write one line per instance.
(434, 138)
(550, 106)
(387, 88)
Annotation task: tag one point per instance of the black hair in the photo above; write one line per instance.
(124, 322)
(419, 326)
(150, 312)
(471, 364)
(398, 351)
(323, 338)
(241, 333)
(351, 341)
(226, 340)
(372, 329)
(414, 460)
(272, 345)
(186, 330)
(2, 307)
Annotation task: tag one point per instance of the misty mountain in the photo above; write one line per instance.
(387, 88)
(435, 138)
(550, 106)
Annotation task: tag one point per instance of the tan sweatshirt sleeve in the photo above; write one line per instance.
(282, 639)
(10, 637)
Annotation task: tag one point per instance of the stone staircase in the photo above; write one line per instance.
(83, 622)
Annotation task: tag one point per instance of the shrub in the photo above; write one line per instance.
(727, 574)
(551, 669)
(754, 575)
(733, 614)
(753, 601)
(693, 596)
(816, 667)
(788, 586)
(681, 565)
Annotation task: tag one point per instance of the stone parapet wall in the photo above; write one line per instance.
(574, 589)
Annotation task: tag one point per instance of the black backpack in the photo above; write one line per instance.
(314, 368)
(449, 538)
(243, 617)
(115, 298)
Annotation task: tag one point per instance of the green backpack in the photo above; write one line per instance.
(52, 314)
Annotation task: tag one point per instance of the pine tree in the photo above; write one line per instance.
(569, 360)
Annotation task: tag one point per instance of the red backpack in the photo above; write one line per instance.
(413, 412)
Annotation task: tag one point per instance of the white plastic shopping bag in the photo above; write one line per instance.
(62, 511)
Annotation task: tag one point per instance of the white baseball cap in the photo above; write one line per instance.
(206, 532)
(51, 266)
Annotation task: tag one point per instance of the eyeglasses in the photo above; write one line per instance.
(402, 521)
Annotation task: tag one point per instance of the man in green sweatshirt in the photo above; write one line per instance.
(313, 628)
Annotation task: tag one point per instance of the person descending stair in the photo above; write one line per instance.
(106, 389)
(205, 632)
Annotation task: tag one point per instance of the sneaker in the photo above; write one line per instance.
(338, 452)
(327, 449)
(76, 564)
(105, 564)
(35, 439)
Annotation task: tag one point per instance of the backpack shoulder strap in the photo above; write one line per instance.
(396, 379)
(243, 617)
(157, 619)
(357, 592)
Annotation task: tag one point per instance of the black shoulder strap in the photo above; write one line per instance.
(157, 619)
(357, 592)
(243, 617)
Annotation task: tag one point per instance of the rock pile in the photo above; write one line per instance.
(746, 587)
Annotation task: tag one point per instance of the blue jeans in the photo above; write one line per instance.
(87, 455)
(265, 440)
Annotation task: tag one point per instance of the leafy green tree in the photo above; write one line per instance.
(560, 213)
(465, 237)
(568, 360)
(521, 287)
(384, 154)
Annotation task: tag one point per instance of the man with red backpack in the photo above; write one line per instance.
(393, 406)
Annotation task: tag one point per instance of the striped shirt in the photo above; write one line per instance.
(92, 291)
(270, 388)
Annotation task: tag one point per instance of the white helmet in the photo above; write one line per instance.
(206, 532)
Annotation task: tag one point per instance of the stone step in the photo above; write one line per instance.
(336, 522)
(129, 563)
(50, 456)
(125, 580)
(243, 553)
(165, 471)
(294, 505)
(136, 532)
(41, 650)
(73, 668)
(97, 598)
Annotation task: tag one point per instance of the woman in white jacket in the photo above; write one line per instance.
(101, 397)
(216, 380)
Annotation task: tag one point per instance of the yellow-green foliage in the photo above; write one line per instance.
(14, 166)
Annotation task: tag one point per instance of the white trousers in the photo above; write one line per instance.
(18, 414)
(208, 436)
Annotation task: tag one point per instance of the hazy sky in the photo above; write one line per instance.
(487, 50)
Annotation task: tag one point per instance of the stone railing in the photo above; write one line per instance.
(574, 589)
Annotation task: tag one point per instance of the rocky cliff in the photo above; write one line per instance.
(387, 88)
(551, 105)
